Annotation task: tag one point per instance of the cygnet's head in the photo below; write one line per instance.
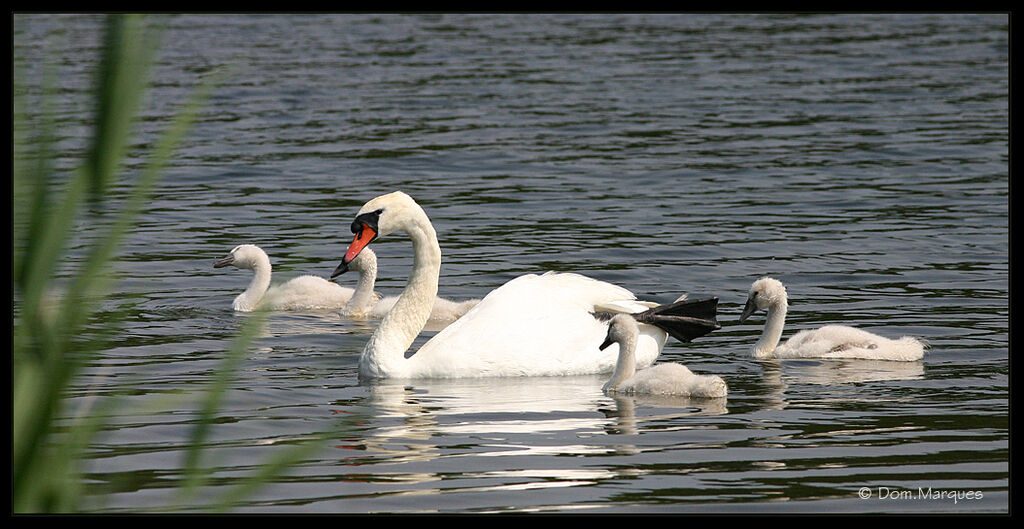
(365, 262)
(764, 293)
(621, 328)
(242, 256)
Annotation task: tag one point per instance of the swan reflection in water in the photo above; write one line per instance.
(779, 377)
(509, 416)
(851, 371)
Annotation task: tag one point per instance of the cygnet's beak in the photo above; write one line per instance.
(224, 262)
(607, 342)
(341, 269)
(748, 309)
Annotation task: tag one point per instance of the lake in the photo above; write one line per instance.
(863, 160)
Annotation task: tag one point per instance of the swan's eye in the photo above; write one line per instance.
(366, 219)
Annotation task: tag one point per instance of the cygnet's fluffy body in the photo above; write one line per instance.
(659, 379)
(829, 341)
(301, 293)
(366, 303)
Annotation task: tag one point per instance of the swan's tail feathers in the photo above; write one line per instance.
(684, 319)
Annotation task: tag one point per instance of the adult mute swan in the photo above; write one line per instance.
(659, 379)
(301, 293)
(830, 341)
(365, 303)
(533, 325)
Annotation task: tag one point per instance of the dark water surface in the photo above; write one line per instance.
(861, 159)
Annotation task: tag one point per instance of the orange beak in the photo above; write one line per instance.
(365, 236)
(362, 238)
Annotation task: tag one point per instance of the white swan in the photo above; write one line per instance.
(533, 325)
(659, 379)
(830, 341)
(301, 293)
(365, 303)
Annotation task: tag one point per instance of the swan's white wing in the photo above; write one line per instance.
(534, 326)
(625, 306)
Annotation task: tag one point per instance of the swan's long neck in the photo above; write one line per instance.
(384, 354)
(772, 333)
(363, 297)
(625, 367)
(257, 287)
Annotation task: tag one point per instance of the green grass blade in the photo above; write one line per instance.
(51, 342)
(194, 473)
(121, 81)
